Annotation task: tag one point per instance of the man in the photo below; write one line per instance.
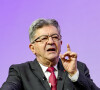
(48, 71)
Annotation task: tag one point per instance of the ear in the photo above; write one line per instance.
(31, 46)
(61, 42)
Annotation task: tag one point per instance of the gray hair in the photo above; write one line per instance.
(39, 23)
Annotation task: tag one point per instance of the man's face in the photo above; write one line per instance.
(51, 48)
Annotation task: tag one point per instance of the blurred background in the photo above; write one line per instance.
(79, 21)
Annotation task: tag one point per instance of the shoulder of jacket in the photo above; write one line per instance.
(81, 66)
(21, 65)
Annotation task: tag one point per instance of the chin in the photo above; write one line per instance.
(52, 58)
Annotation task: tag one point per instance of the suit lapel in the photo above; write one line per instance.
(62, 76)
(60, 81)
(63, 79)
(39, 74)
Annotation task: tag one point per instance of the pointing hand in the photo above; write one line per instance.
(70, 64)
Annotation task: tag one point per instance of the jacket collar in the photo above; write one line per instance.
(37, 71)
(62, 75)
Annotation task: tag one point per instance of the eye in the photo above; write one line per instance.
(44, 38)
(55, 37)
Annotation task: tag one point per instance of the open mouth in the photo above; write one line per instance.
(51, 49)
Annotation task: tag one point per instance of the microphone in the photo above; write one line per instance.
(44, 78)
(59, 78)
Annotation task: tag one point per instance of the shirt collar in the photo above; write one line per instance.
(44, 68)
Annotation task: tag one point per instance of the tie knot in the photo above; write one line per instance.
(51, 69)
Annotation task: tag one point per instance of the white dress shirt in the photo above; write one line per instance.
(47, 74)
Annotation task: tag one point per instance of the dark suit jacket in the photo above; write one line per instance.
(29, 76)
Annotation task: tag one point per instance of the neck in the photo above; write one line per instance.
(47, 62)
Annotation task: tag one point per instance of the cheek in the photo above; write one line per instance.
(39, 48)
(59, 47)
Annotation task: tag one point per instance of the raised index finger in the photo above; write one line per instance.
(68, 47)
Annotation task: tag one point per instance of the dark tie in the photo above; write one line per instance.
(52, 78)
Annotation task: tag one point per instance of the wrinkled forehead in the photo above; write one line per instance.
(47, 30)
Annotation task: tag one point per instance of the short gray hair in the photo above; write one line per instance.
(39, 23)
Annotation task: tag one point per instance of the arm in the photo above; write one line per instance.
(13, 81)
(71, 65)
(84, 79)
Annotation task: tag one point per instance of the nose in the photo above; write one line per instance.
(50, 40)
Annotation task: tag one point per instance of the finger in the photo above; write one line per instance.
(73, 55)
(68, 53)
(65, 57)
(68, 47)
(62, 58)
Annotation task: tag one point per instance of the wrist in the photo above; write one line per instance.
(72, 73)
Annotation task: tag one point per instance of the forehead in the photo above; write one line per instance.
(47, 30)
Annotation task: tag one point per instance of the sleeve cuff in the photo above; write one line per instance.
(74, 78)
